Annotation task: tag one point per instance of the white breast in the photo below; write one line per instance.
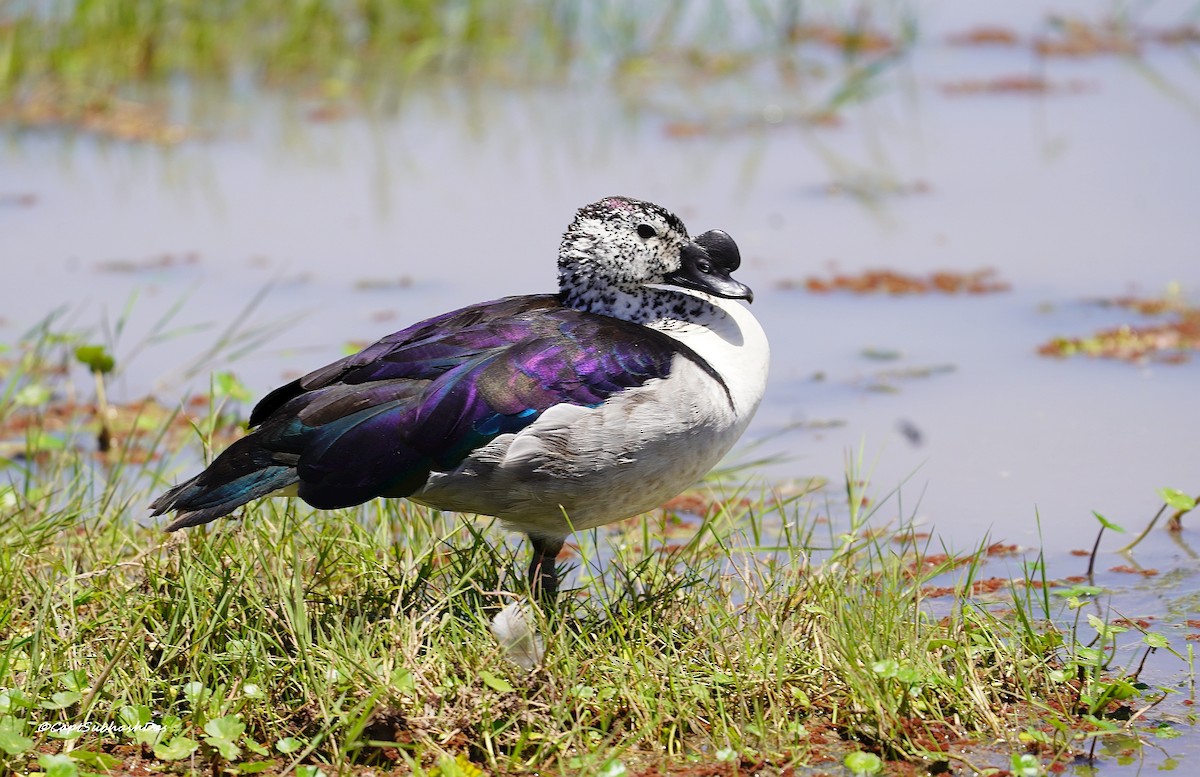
(727, 336)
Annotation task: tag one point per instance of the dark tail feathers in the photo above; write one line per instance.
(243, 472)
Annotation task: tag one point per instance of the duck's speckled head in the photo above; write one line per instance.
(617, 248)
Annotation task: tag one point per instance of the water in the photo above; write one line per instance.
(363, 225)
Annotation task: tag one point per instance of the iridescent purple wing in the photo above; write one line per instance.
(378, 422)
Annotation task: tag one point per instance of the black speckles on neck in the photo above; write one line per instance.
(664, 308)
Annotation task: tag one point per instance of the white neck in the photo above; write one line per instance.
(724, 333)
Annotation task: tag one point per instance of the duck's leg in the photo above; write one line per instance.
(543, 572)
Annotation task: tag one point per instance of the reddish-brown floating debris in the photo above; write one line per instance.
(134, 427)
(683, 129)
(1149, 306)
(990, 585)
(842, 38)
(909, 537)
(166, 261)
(328, 112)
(101, 114)
(698, 504)
(1182, 35)
(686, 129)
(1125, 569)
(1015, 84)
(1080, 38)
(23, 200)
(1077, 38)
(984, 36)
(895, 283)
(1170, 342)
(1141, 623)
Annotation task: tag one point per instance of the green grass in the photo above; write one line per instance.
(760, 635)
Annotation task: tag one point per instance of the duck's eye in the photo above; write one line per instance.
(645, 231)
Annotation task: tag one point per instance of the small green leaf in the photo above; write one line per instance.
(1080, 590)
(134, 717)
(96, 760)
(1166, 731)
(41, 440)
(1121, 690)
(307, 770)
(494, 682)
(149, 735)
(1177, 499)
(95, 357)
(76, 680)
(1033, 735)
(254, 767)
(1105, 630)
(1026, 765)
(1155, 640)
(58, 766)
(863, 763)
(288, 745)
(12, 699)
(226, 385)
(581, 691)
(255, 747)
(61, 700)
(195, 693)
(226, 727)
(402, 680)
(1107, 523)
(460, 766)
(32, 395)
(223, 734)
(229, 750)
(12, 736)
(177, 749)
(886, 668)
(612, 768)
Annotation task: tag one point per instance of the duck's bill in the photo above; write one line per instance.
(699, 271)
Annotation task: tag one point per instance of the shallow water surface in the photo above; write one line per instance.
(362, 225)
